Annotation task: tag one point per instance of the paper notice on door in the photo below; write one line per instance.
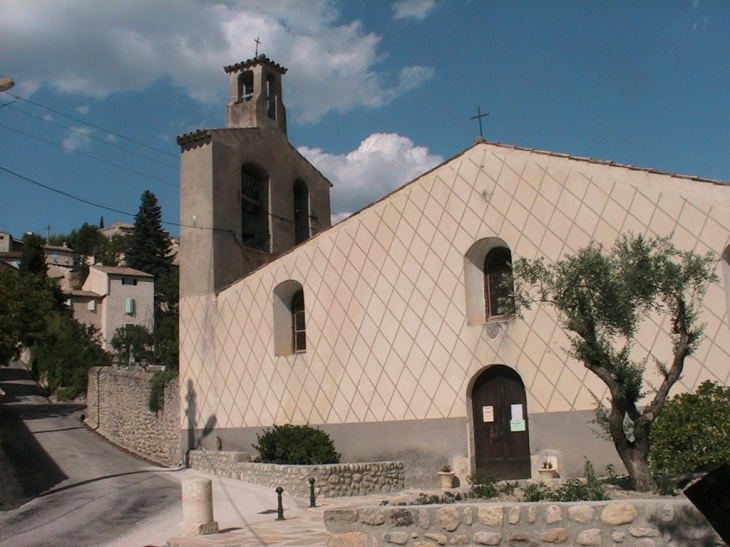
(517, 412)
(517, 425)
(488, 413)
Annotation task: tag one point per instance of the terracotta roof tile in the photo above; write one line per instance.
(261, 59)
(121, 270)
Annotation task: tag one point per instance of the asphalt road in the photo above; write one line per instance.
(74, 488)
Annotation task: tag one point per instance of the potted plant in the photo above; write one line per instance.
(447, 477)
(547, 472)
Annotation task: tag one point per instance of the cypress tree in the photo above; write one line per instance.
(150, 245)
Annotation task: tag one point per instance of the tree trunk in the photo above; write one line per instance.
(635, 457)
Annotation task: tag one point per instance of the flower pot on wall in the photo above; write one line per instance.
(447, 479)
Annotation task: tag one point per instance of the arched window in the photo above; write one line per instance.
(487, 274)
(299, 334)
(301, 212)
(289, 318)
(498, 289)
(255, 208)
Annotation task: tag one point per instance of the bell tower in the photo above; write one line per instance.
(256, 95)
(246, 194)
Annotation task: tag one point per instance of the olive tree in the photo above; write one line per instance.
(601, 297)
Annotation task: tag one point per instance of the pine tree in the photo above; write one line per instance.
(149, 251)
(32, 259)
(150, 245)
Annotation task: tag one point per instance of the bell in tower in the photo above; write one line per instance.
(256, 95)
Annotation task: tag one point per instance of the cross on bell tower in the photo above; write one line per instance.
(256, 95)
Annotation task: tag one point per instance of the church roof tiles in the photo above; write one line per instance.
(261, 59)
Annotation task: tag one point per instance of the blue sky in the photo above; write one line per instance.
(377, 91)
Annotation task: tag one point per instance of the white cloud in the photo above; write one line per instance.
(382, 163)
(83, 109)
(412, 9)
(77, 138)
(93, 48)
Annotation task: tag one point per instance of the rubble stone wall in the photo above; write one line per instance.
(636, 523)
(117, 408)
(331, 480)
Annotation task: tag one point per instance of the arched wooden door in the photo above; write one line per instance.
(501, 432)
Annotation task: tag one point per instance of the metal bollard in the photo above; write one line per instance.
(280, 508)
(312, 499)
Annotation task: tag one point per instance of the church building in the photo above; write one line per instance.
(383, 330)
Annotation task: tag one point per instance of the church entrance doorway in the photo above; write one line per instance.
(501, 433)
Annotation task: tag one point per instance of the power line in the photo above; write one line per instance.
(104, 141)
(92, 125)
(77, 198)
(88, 155)
(100, 206)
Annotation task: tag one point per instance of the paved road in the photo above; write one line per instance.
(83, 491)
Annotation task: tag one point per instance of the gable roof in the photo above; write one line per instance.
(478, 142)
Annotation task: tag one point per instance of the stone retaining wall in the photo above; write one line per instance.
(331, 481)
(117, 407)
(641, 523)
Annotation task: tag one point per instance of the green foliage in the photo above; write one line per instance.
(32, 258)
(296, 445)
(149, 245)
(26, 299)
(133, 341)
(692, 435)
(536, 492)
(66, 393)
(158, 384)
(590, 488)
(63, 355)
(601, 297)
(115, 248)
(149, 251)
(483, 485)
(433, 499)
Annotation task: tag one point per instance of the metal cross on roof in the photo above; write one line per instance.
(479, 116)
(257, 46)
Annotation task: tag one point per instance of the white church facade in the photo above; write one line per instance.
(381, 329)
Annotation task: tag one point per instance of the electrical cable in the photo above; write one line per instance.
(103, 141)
(88, 155)
(17, 97)
(105, 207)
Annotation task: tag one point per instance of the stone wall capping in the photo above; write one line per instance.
(330, 480)
(634, 523)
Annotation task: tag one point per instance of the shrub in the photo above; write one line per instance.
(691, 434)
(296, 445)
(483, 485)
(66, 394)
(589, 488)
(158, 383)
(536, 492)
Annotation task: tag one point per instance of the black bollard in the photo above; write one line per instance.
(312, 499)
(280, 508)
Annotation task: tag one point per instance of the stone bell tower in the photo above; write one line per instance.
(246, 194)
(256, 98)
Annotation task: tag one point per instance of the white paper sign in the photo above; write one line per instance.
(517, 412)
(488, 413)
(517, 425)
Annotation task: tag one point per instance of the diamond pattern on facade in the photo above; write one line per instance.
(385, 297)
